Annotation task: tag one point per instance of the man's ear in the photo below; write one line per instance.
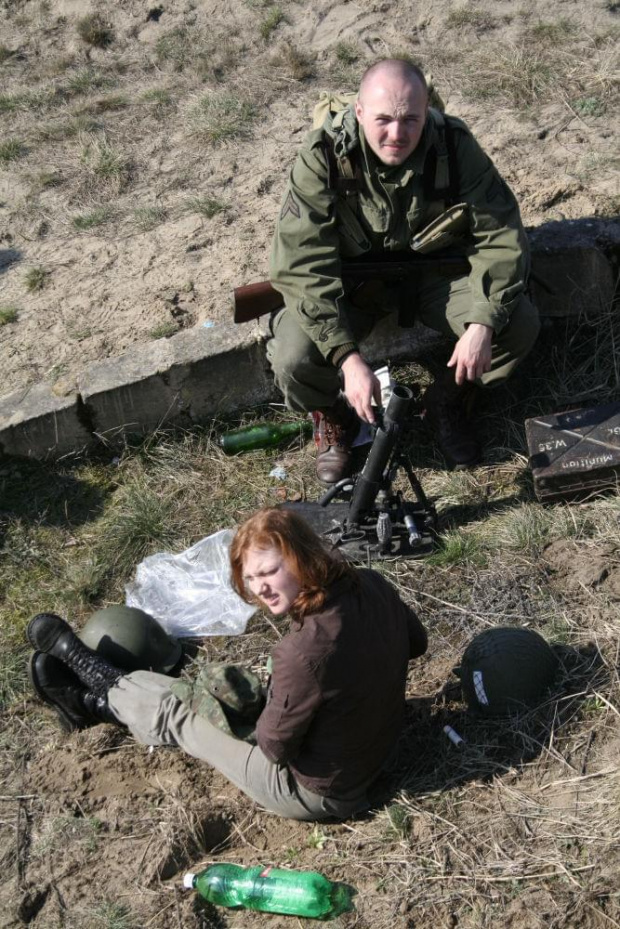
(358, 111)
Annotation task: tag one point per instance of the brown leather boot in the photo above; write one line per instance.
(335, 431)
(447, 406)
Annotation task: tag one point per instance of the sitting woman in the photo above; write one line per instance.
(336, 695)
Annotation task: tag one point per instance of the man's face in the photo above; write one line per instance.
(269, 578)
(392, 112)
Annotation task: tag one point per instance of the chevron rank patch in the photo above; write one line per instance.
(291, 206)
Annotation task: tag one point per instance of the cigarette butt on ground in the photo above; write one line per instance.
(454, 736)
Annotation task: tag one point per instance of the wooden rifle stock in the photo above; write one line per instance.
(254, 300)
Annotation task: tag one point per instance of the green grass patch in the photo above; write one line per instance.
(11, 150)
(103, 105)
(164, 330)
(205, 206)
(148, 217)
(106, 163)
(589, 106)
(519, 75)
(270, 23)
(552, 32)
(8, 314)
(174, 48)
(346, 53)
(159, 101)
(96, 217)
(110, 915)
(9, 103)
(224, 116)
(94, 30)
(86, 81)
(467, 16)
(459, 548)
(36, 279)
(67, 128)
(296, 64)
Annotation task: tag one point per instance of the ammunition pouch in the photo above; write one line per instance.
(447, 230)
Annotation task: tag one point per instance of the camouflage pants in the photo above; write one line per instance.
(308, 382)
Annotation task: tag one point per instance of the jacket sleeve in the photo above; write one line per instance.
(293, 698)
(305, 256)
(498, 252)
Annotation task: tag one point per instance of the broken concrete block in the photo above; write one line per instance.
(35, 422)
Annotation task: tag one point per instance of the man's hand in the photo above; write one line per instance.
(472, 353)
(360, 386)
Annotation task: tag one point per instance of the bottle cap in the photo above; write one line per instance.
(188, 881)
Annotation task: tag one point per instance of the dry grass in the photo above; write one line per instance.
(522, 810)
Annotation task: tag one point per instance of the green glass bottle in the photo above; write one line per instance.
(271, 890)
(263, 435)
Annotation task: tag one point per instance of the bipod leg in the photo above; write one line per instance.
(419, 491)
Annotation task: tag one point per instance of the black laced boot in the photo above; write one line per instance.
(447, 406)
(58, 687)
(50, 634)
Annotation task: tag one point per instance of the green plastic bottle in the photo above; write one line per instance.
(263, 435)
(271, 890)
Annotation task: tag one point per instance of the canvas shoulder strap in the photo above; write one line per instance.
(441, 176)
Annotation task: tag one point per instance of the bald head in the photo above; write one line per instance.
(391, 109)
(390, 70)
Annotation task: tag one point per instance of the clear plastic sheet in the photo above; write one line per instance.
(189, 593)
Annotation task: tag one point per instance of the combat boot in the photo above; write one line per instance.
(50, 634)
(447, 406)
(59, 688)
(335, 432)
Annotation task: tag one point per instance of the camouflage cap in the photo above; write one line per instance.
(229, 696)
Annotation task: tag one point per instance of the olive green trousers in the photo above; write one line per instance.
(143, 702)
(309, 382)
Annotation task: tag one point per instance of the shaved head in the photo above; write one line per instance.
(390, 70)
(391, 109)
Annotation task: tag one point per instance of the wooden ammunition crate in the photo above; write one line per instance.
(575, 454)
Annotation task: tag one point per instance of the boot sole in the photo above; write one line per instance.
(67, 723)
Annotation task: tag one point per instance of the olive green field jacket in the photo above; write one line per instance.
(318, 227)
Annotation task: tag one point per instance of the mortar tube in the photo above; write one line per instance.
(370, 480)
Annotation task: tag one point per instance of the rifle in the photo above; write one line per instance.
(254, 300)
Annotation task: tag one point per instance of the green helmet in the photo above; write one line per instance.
(131, 639)
(506, 669)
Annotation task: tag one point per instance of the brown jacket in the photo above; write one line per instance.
(337, 692)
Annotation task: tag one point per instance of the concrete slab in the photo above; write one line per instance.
(130, 393)
(35, 422)
(219, 370)
(575, 266)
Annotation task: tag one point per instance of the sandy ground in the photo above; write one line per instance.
(115, 138)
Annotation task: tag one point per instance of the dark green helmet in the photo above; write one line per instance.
(506, 669)
(131, 639)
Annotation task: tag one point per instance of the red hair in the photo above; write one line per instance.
(306, 555)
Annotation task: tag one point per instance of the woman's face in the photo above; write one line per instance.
(268, 577)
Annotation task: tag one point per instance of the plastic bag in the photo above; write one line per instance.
(190, 593)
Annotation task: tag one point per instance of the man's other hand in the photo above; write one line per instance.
(472, 353)
(360, 386)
